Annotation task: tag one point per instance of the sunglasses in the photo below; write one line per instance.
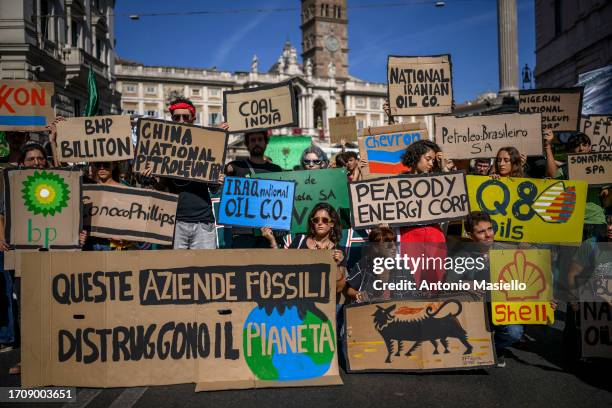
(185, 118)
(312, 162)
(102, 165)
(323, 220)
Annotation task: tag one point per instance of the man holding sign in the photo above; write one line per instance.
(195, 221)
(256, 143)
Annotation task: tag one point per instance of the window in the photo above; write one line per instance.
(98, 49)
(45, 10)
(360, 102)
(151, 89)
(130, 111)
(214, 92)
(558, 17)
(74, 41)
(360, 123)
(152, 113)
(374, 122)
(195, 92)
(214, 118)
(130, 88)
(374, 103)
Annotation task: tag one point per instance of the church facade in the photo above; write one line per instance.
(323, 86)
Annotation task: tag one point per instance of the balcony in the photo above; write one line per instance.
(77, 59)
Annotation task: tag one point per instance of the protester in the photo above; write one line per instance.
(577, 143)
(34, 155)
(424, 157)
(314, 158)
(508, 163)
(479, 229)
(256, 143)
(352, 166)
(340, 160)
(482, 167)
(593, 258)
(359, 288)
(324, 232)
(195, 221)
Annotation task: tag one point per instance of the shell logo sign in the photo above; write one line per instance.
(529, 269)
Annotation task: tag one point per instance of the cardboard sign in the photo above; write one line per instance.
(247, 202)
(441, 334)
(531, 210)
(25, 105)
(286, 151)
(409, 200)
(482, 136)
(560, 108)
(95, 139)
(344, 127)
(136, 318)
(43, 208)
(594, 168)
(596, 329)
(420, 85)
(384, 146)
(179, 150)
(596, 316)
(133, 214)
(313, 187)
(261, 108)
(525, 279)
(599, 129)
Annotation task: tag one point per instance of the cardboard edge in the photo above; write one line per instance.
(327, 380)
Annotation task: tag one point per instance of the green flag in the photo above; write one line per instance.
(91, 109)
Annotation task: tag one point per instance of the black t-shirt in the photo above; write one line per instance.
(244, 168)
(194, 204)
(299, 242)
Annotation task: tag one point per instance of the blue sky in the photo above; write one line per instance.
(464, 28)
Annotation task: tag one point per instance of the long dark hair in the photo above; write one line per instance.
(335, 234)
(516, 169)
(413, 154)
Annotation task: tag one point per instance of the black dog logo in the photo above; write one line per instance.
(427, 328)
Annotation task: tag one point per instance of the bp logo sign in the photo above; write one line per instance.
(45, 193)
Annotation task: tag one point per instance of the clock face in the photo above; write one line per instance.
(332, 43)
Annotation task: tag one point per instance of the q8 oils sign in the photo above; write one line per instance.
(531, 210)
(43, 208)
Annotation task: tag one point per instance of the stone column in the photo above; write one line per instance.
(507, 40)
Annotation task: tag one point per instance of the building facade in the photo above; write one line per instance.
(572, 37)
(56, 41)
(323, 87)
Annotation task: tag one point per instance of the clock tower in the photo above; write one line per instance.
(325, 37)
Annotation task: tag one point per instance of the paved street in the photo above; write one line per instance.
(533, 377)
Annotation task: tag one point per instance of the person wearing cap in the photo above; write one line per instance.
(195, 221)
(256, 143)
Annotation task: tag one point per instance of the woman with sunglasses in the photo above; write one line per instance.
(106, 173)
(324, 232)
(314, 158)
